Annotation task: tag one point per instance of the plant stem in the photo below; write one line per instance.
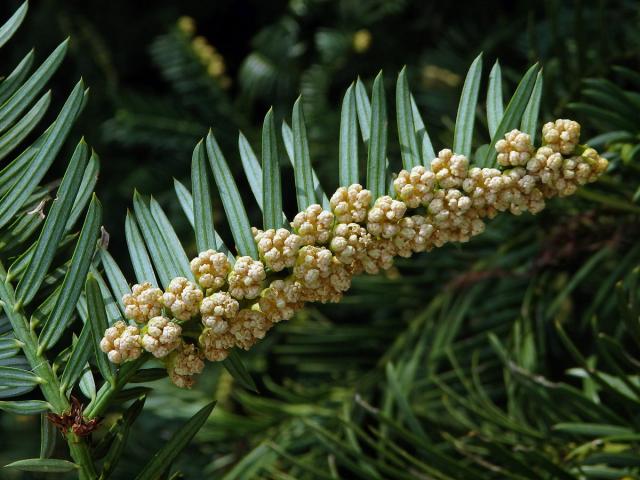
(41, 366)
(81, 456)
(107, 391)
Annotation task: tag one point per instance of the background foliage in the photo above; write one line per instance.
(509, 357)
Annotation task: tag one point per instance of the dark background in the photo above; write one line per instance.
(309, 48)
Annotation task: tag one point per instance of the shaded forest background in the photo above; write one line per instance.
(153, 94)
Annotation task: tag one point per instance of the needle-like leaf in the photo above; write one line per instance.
(54, 224)
(532, 112)
(13, 81)
(406, 126)
(363, 109)
(25, 407)
(23, 127)
(43, 465)
(97, 320)
(14, 199)
(287, 138)
(376, 162)
(171, 245)
(235, 367)
(85, 191)
(305, 189)
(271, 188)
(163, 459)
(142, 265)
(48, 435)
(169, 258)
(403, 402)
(186, 202)
(202, 201)
(251, 167)
(119, 443)
(11, 26)
(79, 357)
(463, 133)
(495, 103)
(9, 346)
(16, 377)
(231, 200)
(23, 97)
(87, 383)
(73, 281)
(185, 199)
(424, 140)
(116, 278)
(348, 151)
(513, 113)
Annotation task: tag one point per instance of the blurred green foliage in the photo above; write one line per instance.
(514, 356)
(152, 97)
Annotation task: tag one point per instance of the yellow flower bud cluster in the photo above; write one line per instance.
(281, 300)
(121, 342)
(314, 225)
(384, 217)
(186, 25)
(379, 256)
(450, 169)
(278, 248)
(350, 204)
(211, 269)
(245, 280)
(182, 298)
(416, 187)
(362, 40)
(143, 303)
(184, 363)
(561, 136)
(237, 305)
(217, 309)
(161, 336)
(249, 326)
(207, 55)
(215, 345)
(562, 176)
(514, 150)
(350, 242)
(414, 236)
(322, 276)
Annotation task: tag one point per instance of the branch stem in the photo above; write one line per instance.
(41, 367)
